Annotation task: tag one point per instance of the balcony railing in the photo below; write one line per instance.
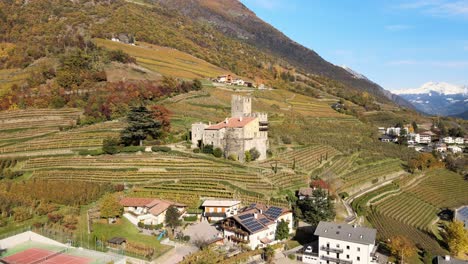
(238, 239)
(263, 123)
(329, 249)
(336, 260)
(235, 230)
(263, 129)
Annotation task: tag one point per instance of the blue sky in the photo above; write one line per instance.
(398, 44)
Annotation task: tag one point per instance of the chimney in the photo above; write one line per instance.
(226, 121)
(240, 119)
(209, 123)
(354, 226)
(447, 258)
(255, 215)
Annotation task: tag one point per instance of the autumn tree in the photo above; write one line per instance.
(110, 207)
(162, 114)
(140, 125)
(457, 238)
(401, 247)
(282, 230)
(268, 254)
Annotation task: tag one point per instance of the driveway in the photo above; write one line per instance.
(201, 231)
(177, 254)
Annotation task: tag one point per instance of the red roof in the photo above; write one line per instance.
(137, 202)
(233, 122)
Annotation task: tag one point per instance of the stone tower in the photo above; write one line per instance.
(241, 106)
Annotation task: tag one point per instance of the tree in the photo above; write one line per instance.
(197, 85)
(172, 217)
(111, 145)
(401, 247)
(254, 153)
(415, 126)
(316, 208)
(457, 238)
(162, 114)
(218, 152)
(282, 230)
(110, 207)
(140, 125)
(248, 157)
(268, 254)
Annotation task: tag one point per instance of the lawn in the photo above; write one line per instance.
(123, 228)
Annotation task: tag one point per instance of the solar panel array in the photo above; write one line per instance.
(252, 224)
(274, 212)
(264, 220)
(246, 216)
(464, 211)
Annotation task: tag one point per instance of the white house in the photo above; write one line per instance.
(344, 244)
(448, 140)
(215, 210)
(454, 149)
(148, 211)
(395, 131)
(448, 260)
(425, 138)
(386, 138)
(239, 82)
(381, 130)
(255, 226)
(459, 140)
(414, 137)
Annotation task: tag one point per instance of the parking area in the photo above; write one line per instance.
(202, 231)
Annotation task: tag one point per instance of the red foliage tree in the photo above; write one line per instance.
(162, 114)
(319, 183)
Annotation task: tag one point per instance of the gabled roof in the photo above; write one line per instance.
(137, 202)
(345, 232)
(220, 203)
(233, 122)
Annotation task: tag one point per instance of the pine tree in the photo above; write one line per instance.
(140, 125)
(172, 217)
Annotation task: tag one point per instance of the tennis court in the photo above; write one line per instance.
(43, 256)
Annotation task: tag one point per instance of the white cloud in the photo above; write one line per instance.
(444, 8)
(397, 27)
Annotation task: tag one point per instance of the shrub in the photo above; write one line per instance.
(160, 149)
(197, 150)
(292, 256)
(186, 238)
(232, 157)
(111, 146)
(208, 149)
(248, 157)
(131, 149)
(286, 139)
(254, 153)
(190, 218)
(91, 152)
(218, 152)
(140, 225)
(343, 195)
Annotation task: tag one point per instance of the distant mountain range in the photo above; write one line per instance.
(439, 98)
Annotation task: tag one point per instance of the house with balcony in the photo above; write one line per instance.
(459, 140)
(148, 211)
(425, 138)
(216, 210)
(343, 244)
(255, 225)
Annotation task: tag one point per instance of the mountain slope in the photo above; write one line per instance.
(236, 20)
(438, 98)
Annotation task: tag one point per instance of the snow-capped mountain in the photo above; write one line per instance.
(438, 87)
(438, 98)
(356, 74)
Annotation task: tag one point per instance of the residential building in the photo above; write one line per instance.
(440, 147)
(255, 226)
(215, 210)
(414, 138)
(461, 214)
(386, 138)
(448, 260)
(345, 244)
(425, 138)
(459, 140)
(381, 130)
(241, 132)
(239, 82)
(149, 211)
(396, 131)
(448, 140)
(454, 149)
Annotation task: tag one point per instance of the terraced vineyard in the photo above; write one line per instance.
(307, 158)
(287, 179)
(371, 172)
(388, 227)
(453, 191)
(315, 108)
(409, 210)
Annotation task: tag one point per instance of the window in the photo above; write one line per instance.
(337, 245)
(328, 252)
(358, 258)
(347, 256)
(347, 247)
(358, 249)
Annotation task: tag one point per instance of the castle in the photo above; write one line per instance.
(241, 132)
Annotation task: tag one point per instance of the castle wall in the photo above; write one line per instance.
(241, 106)
(198, 130)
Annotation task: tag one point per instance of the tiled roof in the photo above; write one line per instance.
(220, 203)
(233, 122)
(159, 207)
(137, 202)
